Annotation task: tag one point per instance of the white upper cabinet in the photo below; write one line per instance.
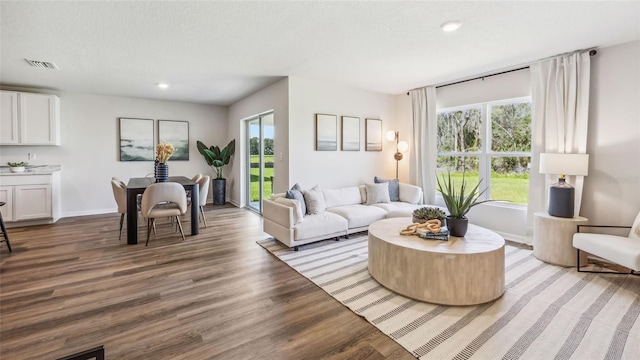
(29, 119)
(9, 118)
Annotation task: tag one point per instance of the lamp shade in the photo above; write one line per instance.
(564, 164)
(403, 146)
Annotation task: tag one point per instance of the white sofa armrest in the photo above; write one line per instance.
(411, 194)
(278, 213)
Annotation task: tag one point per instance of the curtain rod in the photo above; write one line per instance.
(591, 53)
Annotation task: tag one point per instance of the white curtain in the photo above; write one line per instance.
(423, 102)
(560, 95)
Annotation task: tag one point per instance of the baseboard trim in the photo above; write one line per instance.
(88, 212)
(526, 240)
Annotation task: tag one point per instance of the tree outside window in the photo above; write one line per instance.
(497, 151)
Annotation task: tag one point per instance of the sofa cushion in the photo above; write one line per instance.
(298, 216)
(343, 196)
(359, 215)
(377, 193)
(319, 225)
(314, 198)
(296, 192)
(410, 193)
(394, 191)
(398, 206)
(621, 250)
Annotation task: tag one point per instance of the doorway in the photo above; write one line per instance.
(259, 174)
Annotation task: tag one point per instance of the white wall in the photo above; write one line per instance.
(331, 169)
(90, 145)
(275, 98)
(611, 193)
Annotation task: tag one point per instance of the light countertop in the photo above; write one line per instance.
(31, 170)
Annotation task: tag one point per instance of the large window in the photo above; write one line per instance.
(489, 142)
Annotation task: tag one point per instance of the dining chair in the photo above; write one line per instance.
(203, 190)
(120, 194)
(119, 181)
(163, 200)
(196, 177)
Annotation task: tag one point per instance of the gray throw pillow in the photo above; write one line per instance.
(296, 193)
(315, 201)
(394, 187)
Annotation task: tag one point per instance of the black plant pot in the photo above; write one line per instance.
(457, 226)
(219, 191)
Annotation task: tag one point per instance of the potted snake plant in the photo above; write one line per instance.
(459, 200)
(218, 158)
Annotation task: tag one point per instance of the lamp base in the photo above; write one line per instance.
(561, 199)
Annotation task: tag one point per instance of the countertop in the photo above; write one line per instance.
(31, 170)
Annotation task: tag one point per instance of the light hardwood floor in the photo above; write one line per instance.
(72, 285)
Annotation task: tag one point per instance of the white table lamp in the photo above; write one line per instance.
(562, 194)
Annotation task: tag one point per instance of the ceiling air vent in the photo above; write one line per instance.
(42, 64)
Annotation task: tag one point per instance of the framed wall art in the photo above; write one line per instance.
(373, 135)
(176, 133)
(136, 139)
(350, 133)
(326, 132)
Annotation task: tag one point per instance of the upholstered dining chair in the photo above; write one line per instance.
(120, 194)
(196, 177)
(620, 250)
(203, 191)
(163, 200)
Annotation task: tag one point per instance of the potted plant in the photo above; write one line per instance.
(423, 214)
(218, 158)
(16, 167)
(459, 201)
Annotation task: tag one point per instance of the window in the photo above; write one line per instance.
(490, 142)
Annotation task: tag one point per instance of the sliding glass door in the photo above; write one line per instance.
(259, 178)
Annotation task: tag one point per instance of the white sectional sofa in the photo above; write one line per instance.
(347, 210)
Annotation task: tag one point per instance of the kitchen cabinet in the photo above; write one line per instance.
(29, 118)
(30, 199)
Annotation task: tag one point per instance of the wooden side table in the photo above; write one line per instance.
(553, 239)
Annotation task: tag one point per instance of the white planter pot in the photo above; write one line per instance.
(17, 169)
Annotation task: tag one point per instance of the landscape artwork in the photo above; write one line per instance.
(373, 135)
(350, 133)
(326, 132)
(136, 140)
(176, 133)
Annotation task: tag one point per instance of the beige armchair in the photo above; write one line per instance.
(163, 200)
(620, 250)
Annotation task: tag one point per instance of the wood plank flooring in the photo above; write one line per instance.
(72, 285)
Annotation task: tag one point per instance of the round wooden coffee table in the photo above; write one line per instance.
(462, 271)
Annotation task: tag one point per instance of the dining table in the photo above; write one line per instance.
(137, 186)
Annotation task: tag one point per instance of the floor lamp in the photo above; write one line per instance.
(400, 146)
(562, 194)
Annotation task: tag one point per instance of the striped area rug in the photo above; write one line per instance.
(546, 312)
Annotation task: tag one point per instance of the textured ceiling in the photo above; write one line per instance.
(220, 52)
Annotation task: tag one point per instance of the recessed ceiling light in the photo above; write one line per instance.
(450, 26)
(162, 85)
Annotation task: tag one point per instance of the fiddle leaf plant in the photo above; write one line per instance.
(216, 157)
(457, 199)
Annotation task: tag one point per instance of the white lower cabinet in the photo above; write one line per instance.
(30, 198)
(32, 202)
(6, 196)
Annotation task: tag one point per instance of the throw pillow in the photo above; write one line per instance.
(377, 193)
(315, 201)
(410, 193)
(635, 228)
(394, 189)
(296, 193)
(297, 209)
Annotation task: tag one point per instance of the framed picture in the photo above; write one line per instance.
(136, 140)
(175, 133)
(373, 135)
(326, 132)
(350, 133)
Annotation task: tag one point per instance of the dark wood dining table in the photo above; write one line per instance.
(136, 186)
